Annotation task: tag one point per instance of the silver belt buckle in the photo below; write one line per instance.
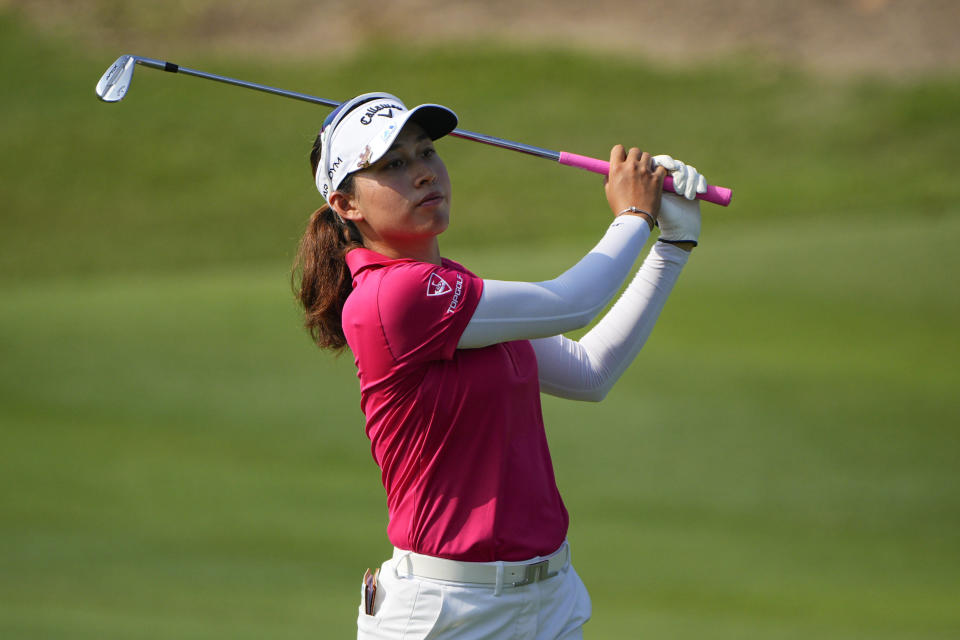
(535, 573)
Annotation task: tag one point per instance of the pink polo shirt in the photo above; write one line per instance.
(458, 433)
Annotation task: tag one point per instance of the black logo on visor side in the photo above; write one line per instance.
(334, 166)
(378, 110)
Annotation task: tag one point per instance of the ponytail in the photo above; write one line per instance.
(320, 277)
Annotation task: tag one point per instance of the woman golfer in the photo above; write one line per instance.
(451, 368)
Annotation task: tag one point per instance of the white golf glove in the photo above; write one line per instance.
(687, 182)
(679, 219)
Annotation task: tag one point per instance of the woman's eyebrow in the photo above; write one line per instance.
(418, 140)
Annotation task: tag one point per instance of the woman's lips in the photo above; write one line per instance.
(431, 199)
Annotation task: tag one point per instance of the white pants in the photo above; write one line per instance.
(413, 608)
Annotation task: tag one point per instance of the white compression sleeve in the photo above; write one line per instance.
(586, 370)
(521, 310)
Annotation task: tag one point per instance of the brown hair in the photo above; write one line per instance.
(320, 277)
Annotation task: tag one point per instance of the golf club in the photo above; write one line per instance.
(115, 83)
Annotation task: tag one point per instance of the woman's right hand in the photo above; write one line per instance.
(634, 181)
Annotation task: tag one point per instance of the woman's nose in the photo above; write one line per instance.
(424, 174)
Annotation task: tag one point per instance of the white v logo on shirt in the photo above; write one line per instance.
(437, 286)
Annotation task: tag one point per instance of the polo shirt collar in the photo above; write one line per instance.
(360, 259)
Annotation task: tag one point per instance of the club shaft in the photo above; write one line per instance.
(174, 68)
(460, 133)
(718, 195)
(507, 144)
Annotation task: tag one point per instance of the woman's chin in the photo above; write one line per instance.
(440, 223)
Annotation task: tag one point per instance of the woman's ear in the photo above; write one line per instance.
(345, 205)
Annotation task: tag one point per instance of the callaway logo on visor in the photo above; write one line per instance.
(376, 109)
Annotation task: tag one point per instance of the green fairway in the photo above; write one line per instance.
(178, 461)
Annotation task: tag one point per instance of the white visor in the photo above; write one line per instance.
(361, 130)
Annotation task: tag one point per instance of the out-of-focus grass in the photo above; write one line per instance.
(176, 460)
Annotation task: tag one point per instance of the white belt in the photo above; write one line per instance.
(493, 574)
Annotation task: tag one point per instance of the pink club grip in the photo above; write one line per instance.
(714, 194)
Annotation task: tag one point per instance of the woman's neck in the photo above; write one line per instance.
(429, 252)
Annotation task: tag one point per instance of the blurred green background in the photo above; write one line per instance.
(178, 461)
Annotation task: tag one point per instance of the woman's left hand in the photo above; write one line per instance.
(679, 221)
(687, 181)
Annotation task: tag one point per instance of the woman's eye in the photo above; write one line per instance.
(429, 152)
(395, 164)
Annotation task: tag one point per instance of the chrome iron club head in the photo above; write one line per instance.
(116, 80)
